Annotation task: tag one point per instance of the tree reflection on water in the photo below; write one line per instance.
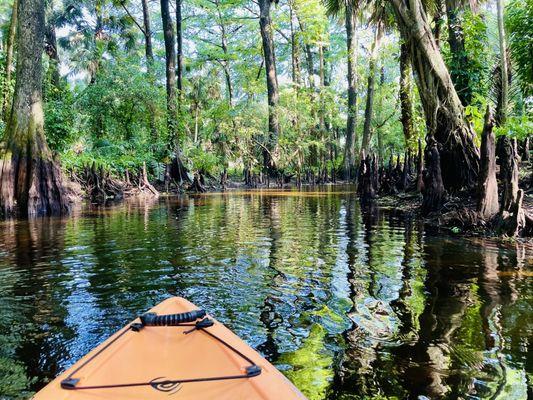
(348, 302)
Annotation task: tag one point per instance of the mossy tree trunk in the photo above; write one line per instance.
(446, 122)
(30, 179)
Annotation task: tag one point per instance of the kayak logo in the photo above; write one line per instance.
(164, 385)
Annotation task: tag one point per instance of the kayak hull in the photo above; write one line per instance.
(157, 359)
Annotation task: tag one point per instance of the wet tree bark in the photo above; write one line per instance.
(434, 192)
(272, 85)
(367, 180)
(372, 66)
(488, 204)
(351, 43)
(444, 113)
(10, 46)
(420, 169)
(406, 101)
(30, 179)
(525, 150)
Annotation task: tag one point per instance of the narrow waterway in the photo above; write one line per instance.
(349, 304)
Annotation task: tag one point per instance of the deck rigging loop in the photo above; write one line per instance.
(197, 320)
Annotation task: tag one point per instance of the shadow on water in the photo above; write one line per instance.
(348, 302)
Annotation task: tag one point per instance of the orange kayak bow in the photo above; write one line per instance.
(175, 350)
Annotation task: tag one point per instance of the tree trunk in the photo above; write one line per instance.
(434, 192)
(177, 170)
(351, 138)
(179, 35)
(508, 172)
(10, 46)
(525, 150)
(308, 57)
(503, 99)
(295, 60)
(30, 179)
(459, 59)
(310, 65)
(438, 21)
(272, 85)
(170, 54)
(444, 113)
(488, 204)
(514, 220)
(50, 39)
(149, 52)
(406, 101)
(367, 133)
(322, 84)
(144, 183)
(420, 169)
(224, 47)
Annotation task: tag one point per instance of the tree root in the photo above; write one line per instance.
(100, 186)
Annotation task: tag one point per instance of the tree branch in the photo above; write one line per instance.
(132, 18)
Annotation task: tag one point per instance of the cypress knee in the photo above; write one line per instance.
(488, 204)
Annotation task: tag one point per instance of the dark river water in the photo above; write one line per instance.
(349, 304)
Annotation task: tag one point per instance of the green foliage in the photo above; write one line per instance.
(470, 68)
(109, 111)
(476, 43)
(518, 127)
(519, 16)
(121, 103)
(59, 123)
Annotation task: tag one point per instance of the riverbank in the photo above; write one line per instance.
(458, 213)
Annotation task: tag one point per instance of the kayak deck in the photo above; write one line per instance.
(156, 362)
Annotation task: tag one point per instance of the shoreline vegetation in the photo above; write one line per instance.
(395, 190)
(432, 105)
